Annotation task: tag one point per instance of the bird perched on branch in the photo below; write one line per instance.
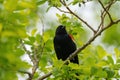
(64, 44)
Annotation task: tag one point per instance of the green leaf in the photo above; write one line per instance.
(110, 60)
(76, 1)
(58, 15)
(117, 53)
(58, 63)
(43, 62)
(110, 73)
(9, 5)
(1, 27)
(100, 73)
(57, 73)
(33, 32)
(27, 42)
(94, 70)
(89, 61)
(111, 35)
(73, 66)
(118, 60)
(8, 33)
(101, 52)
(24, 12)
(26, 4)
(117, 66)
(41, 2)
(38, 38)
(55, 3)
(32, 39)
(22, 33)
(47, 35)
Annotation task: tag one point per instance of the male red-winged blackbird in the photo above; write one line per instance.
(64, 45)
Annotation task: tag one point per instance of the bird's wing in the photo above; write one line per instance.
(57, 48)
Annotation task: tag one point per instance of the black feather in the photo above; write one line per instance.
(64, 45)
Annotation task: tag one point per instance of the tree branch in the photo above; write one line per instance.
(105, 10)
(27, 51)
(62, 10)
(71, 12)
(34, 60)
(45, 76)
(103, 14)
(25, 72)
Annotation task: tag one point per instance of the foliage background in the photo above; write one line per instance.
(33, 22)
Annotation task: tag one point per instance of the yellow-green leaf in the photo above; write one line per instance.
(10, 5)
(1, 27)
(101, 52)
(117, 53)
(33, 31)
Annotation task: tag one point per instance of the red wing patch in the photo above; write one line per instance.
(71, 37)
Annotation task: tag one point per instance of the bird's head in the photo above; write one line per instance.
(61, 30)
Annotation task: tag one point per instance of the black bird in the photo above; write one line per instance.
(64, 44)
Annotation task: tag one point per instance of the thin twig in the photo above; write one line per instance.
(45, 76)
(33, 59)
(103, 14)
(34, 68)
(105, 10)
(62, 10)
(25, 72)
(102, 21)
(71, 12)
(27, 51)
